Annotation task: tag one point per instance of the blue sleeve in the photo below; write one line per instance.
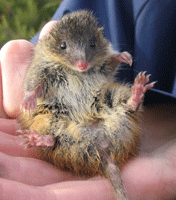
(145, 28)
(155, 42)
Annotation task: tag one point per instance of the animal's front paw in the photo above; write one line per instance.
(29, 102)
(34, 139)
(138, 90)
(123, 57)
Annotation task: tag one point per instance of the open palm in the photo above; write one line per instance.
(151, 175)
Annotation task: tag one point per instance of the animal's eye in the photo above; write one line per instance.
(92, 44)
(63, 45)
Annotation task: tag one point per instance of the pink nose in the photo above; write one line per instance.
(81, 64)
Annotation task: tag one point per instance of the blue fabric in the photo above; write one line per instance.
(145, 28)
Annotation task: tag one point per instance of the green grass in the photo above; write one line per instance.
(22, 19)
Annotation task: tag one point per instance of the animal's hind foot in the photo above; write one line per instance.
(138, 90)
(34, 139)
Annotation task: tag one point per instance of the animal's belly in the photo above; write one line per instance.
(79, 148)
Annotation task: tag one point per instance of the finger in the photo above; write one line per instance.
(15, 59)
(2, 112)
(31, 171)
(19, 191)
(81, 190)
(85, 189)
(9, 126)
(150, 178)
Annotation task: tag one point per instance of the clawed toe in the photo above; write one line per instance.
(139, 89)
(125, 57)
(34, 139)
(29, 103)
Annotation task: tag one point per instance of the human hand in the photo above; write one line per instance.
(151, 175)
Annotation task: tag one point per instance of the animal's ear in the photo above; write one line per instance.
(101, 32)
(100, 29)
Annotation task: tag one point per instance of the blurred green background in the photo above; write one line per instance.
(24, 18)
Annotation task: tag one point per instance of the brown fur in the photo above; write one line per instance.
(80, 109)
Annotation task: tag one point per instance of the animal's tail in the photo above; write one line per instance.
(111, 171)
